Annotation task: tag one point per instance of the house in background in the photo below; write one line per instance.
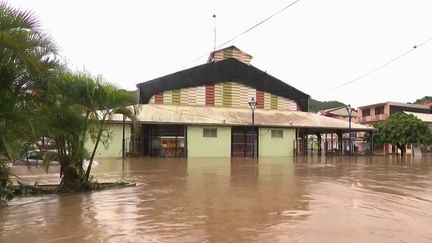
(427, 103)
(205, 111)
(426, 118)
(375, 113)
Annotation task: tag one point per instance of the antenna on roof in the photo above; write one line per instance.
(214, 46)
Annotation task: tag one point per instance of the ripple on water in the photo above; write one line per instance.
(274, 200)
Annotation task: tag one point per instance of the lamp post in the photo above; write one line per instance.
(350, 111)
(252, 104)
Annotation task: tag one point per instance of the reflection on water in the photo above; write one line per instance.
(314, 199)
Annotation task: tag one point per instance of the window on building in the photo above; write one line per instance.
(277, 133)
(210, 132)
(379, 110)
(365, 112)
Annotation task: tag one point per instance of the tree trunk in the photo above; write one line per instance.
(71, 174)
(72, 179)
(402, 148)
(87, 174)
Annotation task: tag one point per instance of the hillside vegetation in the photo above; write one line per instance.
(316, 105)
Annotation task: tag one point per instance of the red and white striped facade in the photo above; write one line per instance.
(228, 94)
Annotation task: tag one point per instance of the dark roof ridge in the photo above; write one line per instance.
(228, 70)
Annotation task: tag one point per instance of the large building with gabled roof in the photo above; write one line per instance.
(226, 80)
(204, 111)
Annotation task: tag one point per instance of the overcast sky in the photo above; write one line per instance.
(314, 45)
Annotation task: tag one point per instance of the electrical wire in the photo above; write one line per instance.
(258, 24)
(249, 29)
(376, 68)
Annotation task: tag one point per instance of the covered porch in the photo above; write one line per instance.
(313, 133)
(324, 141)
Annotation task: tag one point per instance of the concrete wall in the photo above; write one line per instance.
(199, 146)
(281, 147)
(115, 144)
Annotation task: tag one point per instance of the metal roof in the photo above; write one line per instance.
(204, 115)
(391, 103)
(422, 116)
(228, 70)
(338, 111)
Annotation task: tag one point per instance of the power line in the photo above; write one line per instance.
(261, 22)
(376, 68)
(249, 29)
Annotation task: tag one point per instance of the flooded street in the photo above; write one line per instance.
(333, 199)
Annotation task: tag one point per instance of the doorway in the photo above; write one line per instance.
(244, 142)
(163, 140)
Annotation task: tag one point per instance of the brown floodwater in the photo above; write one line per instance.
(314, 199)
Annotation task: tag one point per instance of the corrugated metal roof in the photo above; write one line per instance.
(422, 116)
(338, 111)
(397, 104)
(228, 70)
(150, 113)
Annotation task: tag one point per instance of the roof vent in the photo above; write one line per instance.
(229, 52)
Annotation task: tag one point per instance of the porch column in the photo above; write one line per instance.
(332, 145)
(340, 144)
(325, 144)
(305, 144)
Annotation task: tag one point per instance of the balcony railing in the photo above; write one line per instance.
(374, 118)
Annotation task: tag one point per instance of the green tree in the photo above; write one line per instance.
(39, 98)
(315, 105)
(78, 107)
(424, 99)
(26, 55)
(401, 129)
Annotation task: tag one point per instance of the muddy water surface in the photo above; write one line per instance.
(340, 199)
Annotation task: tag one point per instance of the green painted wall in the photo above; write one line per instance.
(115, 144)
(199, 146)
(280, 147)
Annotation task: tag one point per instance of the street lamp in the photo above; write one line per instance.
(252, 104)
(350, 111)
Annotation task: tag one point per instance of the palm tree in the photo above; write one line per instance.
(78, 107)
(108, 102)
(26, 55)
(35, 91)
